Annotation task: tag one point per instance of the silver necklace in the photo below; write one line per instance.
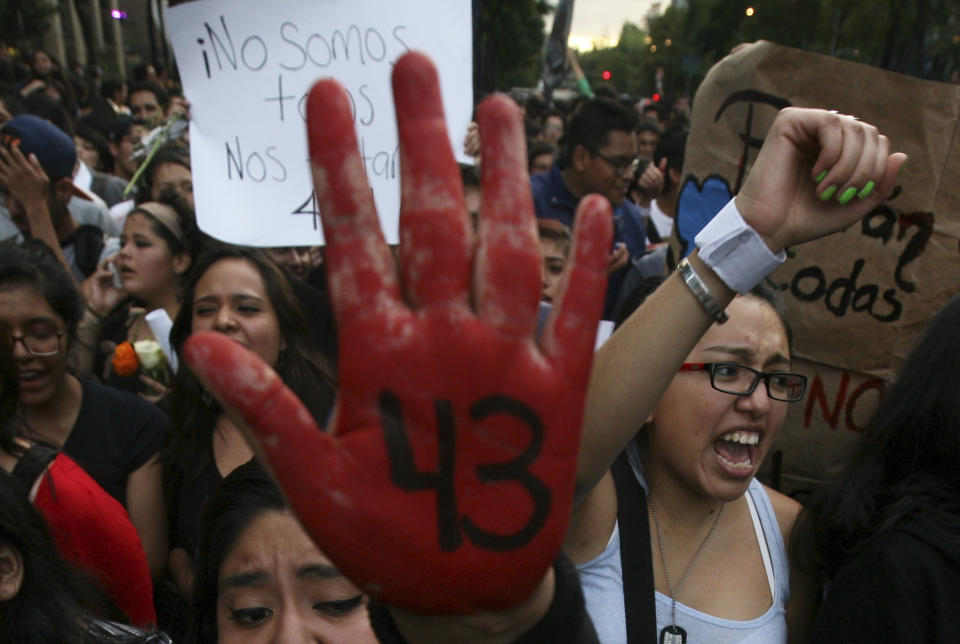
(673, 634)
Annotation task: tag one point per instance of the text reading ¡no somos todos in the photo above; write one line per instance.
(300, 49)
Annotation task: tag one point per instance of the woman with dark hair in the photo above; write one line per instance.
(42, 64)
(113, 92)
(169, 169)
(241, 293)
(42, 599)
(93, 149)
(694, 460)
(250, 583)
(157, 245)
(885, 534)
(48, 77)
(260, 579)
(95, 173)
(112, 435)
(91, 530)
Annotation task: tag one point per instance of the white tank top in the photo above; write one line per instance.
(602, 583)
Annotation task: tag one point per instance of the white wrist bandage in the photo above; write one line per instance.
(735, 251)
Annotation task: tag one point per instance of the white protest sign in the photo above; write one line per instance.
(246, 67)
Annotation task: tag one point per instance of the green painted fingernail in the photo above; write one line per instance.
(847, 195)
(867, 189)
(827, 194)
(821, 176)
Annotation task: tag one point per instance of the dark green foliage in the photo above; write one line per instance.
(916, 37)
(508, 43)
(23, 22)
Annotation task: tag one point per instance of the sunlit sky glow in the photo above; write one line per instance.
(597, 23)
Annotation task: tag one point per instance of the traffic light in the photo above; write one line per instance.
(656, 98)
(606, 74)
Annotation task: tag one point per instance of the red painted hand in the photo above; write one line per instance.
(447, 483)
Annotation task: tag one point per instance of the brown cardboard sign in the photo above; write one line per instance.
(858, 299)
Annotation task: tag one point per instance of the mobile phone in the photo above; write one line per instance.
(117, 280)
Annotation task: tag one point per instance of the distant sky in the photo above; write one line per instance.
(599, 21)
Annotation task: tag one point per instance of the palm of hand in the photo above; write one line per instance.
(468, 438)
(448, 483)
(23, 177)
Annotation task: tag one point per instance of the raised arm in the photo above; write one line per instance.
(24, 180)
(784, 203)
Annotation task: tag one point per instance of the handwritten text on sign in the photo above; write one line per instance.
(246, 68)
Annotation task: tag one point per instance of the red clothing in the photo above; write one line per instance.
(94, 533)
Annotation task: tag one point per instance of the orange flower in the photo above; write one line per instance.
(125, 361)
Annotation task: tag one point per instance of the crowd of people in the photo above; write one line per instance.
(137, 509)
(630, 151)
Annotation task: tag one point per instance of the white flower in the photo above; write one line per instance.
(150, 354)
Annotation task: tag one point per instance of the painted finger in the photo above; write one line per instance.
(507, 279)
(572, 328)
(892, 168)
(879, 167)
(829, 136)
(856, 209)
(285, 434)
(854, 139)
(435, 236)
(360, 269)
(842, 169)
(865, 165)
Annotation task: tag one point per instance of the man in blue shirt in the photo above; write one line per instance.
(600, 155)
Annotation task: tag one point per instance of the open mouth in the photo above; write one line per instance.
(737, 450)
(31, 378)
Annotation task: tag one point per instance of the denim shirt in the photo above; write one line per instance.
(553, 200)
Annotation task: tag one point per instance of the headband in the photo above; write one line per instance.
(163, 213)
